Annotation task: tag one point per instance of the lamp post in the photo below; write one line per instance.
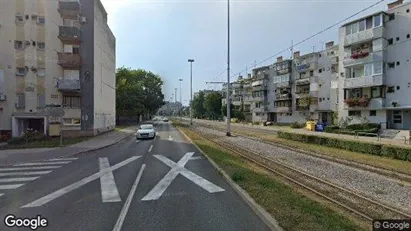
(181, 102)
(191, 90)
(228, 133)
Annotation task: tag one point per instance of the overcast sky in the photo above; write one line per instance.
(161, 35)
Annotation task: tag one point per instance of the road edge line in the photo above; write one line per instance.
(271, 222)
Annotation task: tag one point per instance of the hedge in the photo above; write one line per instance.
(351, 145)
(297, 125)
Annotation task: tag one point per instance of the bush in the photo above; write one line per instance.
(297, 125)
(16, 140)
(365, 126)
(331, 128)
(351, 145)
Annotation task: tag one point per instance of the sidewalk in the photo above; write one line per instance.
(14, 156)
(396, 142)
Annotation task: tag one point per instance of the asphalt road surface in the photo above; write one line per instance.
(160, 184)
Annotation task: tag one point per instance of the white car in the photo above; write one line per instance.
(146, 131)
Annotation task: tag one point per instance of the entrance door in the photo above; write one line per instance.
(397, 119)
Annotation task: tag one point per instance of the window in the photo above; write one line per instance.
(390, 41)
(391, 17)
(368, 23)
(71, 121)
(373, 113)
(348, 30)
(354, 27)
(377, 44)
(19, 18)
(71, 101)
(41, 45)
(76, 49)
(390, 90)
(320, 70)
(398, 63)
(398, 39)
(391, 65)
(377, 20)
(41, 20)
(408, 35)
(398, 87)
(18, 44)
(368, 69)
(397, 117)
(21, 71)
(362, 25)
(311, 73)
(408, 11)
(34, 17)
(41, 72)
(41, 101)
(376, 92)
(21, 101)
(354, 113)
(377, 68)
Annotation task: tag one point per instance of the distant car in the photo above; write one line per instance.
(165, 120)
(146, 131)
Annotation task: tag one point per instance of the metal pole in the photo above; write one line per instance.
(228, 71)
(61, 131)
(181, 101)
(191, 90)
(175, 95)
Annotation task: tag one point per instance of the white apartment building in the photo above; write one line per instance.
(375, 67)
(61, 53)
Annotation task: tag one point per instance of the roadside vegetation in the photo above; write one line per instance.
(41, 142)
(290, 207)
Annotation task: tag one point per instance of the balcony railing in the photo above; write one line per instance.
(69, 33)
(363, 36)
(282, 109)
(68, 85)
(260, 109)
(283, 84)
(372, 104)
(258, 98)
(308, 66)
(302, 81)
(302, 108)
(366, 81)
(280, 97)
(69, 9)
(361, 58)
(69, 60)
(259, 88)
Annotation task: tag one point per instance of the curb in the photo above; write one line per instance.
(260, 211)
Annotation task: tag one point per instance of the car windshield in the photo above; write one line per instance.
(146, 126)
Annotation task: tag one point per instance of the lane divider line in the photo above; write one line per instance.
(151, 147)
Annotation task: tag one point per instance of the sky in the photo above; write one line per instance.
(161, 35)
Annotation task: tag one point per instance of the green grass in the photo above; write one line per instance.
(47, 143)
(290, 208)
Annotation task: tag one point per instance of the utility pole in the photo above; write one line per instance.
(191, 90)
(228, 133)
(181, 101)
(175, 95)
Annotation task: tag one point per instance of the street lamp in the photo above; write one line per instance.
(191, 90)
(181, 102)
(228, 71)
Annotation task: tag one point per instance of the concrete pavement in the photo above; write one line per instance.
(14, 156)
(161, 184)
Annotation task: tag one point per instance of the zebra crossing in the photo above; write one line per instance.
(17, 175)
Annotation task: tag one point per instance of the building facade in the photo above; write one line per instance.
(56, 53)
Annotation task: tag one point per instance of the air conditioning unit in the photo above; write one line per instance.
(83, 19)
(2, 97)
(28, 43)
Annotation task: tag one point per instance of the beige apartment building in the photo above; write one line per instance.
(61, 53)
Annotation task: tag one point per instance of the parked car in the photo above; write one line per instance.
(146, 131)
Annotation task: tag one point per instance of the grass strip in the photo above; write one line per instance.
(292, 209)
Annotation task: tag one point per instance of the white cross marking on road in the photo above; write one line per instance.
(109, 192)
(78, 184)
(178, 168)
(170, 138)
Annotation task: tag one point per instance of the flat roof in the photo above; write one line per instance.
(362, 18)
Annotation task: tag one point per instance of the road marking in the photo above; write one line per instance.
(10, 186)
(43, 163)
(126, 206)
(28, 168)
(178, 168)
(109, 192)
(63, 159)
(22, 179)
(1, 194)
(169, 138)
(25, 173)
(196, 158)
(151, 147)
(78, 184)
(137, 141)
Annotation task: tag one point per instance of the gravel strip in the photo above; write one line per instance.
(367, 183)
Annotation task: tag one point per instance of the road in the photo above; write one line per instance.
(161, 184)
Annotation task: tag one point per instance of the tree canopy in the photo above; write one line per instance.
(212, 105)
(198, 106)
(137, 92)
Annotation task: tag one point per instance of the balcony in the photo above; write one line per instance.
(260, 88)
(283, 84)
(69, 60)
(303, 81)
(302, 108)
(371, 104)
(282, 109)
(363, 36)
(68, 85)
(258, 98)
(281, 97)
(308, 66)
(260, 109)
(283, 71)
(366, 81)
(69, 8)
(69, 34)
(362, 58)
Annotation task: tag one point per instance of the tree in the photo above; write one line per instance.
(138, 92)
(224, 110)
(198, 106)
(212, 105)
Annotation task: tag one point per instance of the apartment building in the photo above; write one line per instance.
(375, 67)
(60, 53)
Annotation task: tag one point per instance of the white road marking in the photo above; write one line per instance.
(178, 168)
(43, 163)
(137, 141)
(78, 184)
(151, 147)
(21, 179)
(63, 159)
(10, 186)
(25, 173)
(170, 138)
(109, 192)
(196, 158)
(126, 206)
(28, 168)
(1, 194)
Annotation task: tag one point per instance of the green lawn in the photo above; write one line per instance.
(47, 143)
(289, 206)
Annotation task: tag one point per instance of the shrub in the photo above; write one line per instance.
(16, 140)
(351, 145)
(365, 126)
(331, 128)
(297, 125)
